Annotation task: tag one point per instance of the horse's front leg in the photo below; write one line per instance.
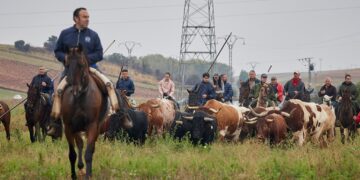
(92, 134)
(80, 145)
(31, 133)
(72, 153)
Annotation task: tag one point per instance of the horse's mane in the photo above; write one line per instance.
(77, 63)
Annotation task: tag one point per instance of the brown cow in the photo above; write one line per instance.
(5, 119)
(160, 114)
(271, 127)
(228, 117)
(307, 119)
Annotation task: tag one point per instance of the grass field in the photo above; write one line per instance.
(166, 159)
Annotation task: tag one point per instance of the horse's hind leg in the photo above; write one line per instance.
(92, 134)
(72, 153)
(342, 133)
(7, 129)
(80, 145)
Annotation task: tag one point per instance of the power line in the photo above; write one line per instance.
(120, 8)
(178, 19)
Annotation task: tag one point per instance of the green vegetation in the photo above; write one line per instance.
(164, 158)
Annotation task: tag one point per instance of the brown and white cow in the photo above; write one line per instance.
(307, 120)
(229, 119)
(160, 114)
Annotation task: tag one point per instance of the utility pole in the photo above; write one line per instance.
(310, 66)
(253, 64)
(230, 43)
(129, 45)
(198, 40)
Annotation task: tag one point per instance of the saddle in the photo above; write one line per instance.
(45, 99)
(99, 83)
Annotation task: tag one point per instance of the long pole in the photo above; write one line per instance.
(212, 64)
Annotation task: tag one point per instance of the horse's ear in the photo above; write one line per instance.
(80, 48)
(28, 85)
(67, 49)
(189, 91)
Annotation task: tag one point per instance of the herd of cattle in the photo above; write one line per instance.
(300, 120)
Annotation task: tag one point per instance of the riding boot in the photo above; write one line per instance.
(109, 87)
(56, 108)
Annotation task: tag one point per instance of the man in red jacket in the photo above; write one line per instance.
(278, 89)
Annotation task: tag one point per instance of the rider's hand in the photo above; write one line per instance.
(340, 98)
(322, 92)
(296, 92)
(43, 83)
(204, 96)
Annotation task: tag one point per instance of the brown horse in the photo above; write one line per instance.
(244, 94)
(37, 113)
(84, 106)
(5, 119)
(345, 113)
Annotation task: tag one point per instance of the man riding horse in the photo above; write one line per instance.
(45, 83)
(80, 35)
(347, 85)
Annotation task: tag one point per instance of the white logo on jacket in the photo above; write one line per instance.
(87, 39)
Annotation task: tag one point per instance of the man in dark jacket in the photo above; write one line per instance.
(348, 85)
(43, 81)
(205, 90)
(294, 88)
(124, 83)
(75, 36)
(251, 84)
(329, 90)
(227, 88)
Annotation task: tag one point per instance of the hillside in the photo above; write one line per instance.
(17, 68)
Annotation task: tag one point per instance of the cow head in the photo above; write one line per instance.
(263, 127)
(327, 100)
(213, 106)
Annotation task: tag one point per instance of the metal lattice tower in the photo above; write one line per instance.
(198, 40)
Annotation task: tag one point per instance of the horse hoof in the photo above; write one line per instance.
(82, 172)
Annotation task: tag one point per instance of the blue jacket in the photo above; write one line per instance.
(228, 92)
(89, 40)
(126, 84)
(37, 81)
(204, 88)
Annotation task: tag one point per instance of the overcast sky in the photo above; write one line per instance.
(277, 32)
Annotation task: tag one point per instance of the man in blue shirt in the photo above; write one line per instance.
(227, 89)
(74, 36)
(125, 84)
(204, 90)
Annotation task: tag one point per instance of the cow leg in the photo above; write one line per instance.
(72, 153)
(80, 145)
(7, 129)
(330, 135)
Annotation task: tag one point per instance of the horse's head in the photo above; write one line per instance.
(125, 119)
(78, 74)
(346, 95)
(123, 100)
(33, 95)
(193, 97)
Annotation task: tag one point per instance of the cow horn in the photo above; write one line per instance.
(285, 114)
(250, 122)
(253, 119)
(213, 110)
(208, 119)
(188, 117)
(178, 122)
(193, 107)
(269, 120)
(155, 105)
(263, 114)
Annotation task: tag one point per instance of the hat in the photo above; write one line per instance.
(263, 75)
